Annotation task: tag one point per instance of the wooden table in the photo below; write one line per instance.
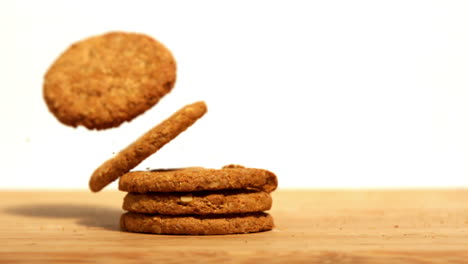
(312, 226)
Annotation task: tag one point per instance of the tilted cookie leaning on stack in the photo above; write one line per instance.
(146, 145)
(198, 201)
(190, 201)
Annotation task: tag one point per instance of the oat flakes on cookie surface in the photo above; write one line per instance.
(102, 81)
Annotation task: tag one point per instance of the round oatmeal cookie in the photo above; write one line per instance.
(103, 81)
(199, 203)
(146, 145)
(196, 225)
(198, 179)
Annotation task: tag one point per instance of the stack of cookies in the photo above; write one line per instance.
(103, 81)
(190, 201)
(198, 201)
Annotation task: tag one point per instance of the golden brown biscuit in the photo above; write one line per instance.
(198, 203)
(198, 179)
(196, 225)
(104, 80)
(146, 145)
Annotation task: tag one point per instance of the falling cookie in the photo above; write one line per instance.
(199, 203)
(146, 145)
(196, 225)
(198, 179)
(103, 81)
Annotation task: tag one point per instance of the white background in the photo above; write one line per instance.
(323, 93)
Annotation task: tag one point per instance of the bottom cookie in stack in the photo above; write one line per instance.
(198, 201)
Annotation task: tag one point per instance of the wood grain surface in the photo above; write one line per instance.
(312, 226)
